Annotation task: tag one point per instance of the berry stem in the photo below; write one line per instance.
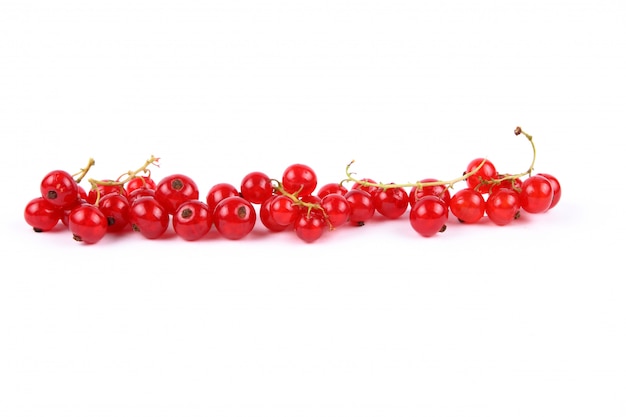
(81, 174)
(512, 177)
(126, 177)
(278, 186)
(418, 184)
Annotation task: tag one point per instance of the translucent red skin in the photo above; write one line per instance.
(468, 205)
(440, 191)
(256, 187)
(42, 215)
(192, 220)
(536, 194)
(59, 188)
(267, 216)
(218, 192)
(170, 196)
(556, 188)
(282, 210)
(116, 209)
(337, 209)
(310, 226)
(361, 206)
(300, 179)
(392, 202)
(486, 172)
(234, 217)
(87, 224)
(428, 215)
(148, 217)
(502, 206)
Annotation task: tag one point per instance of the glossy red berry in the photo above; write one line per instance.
(299, 179)
(440, 191)
(116, 209)
(370, 189)
(266, 216)
(173, 190)
(361, 206)
(428, 216)
(60, 189)
(283, 210)
(148, 217)
(256, 187)
(536, 194)
(140, 182)
(468, 205)
(192, 220)
(218, 192)
(485, 173)
(104, 189)
(234, 217)
(87, 224)
(556, 188)
(331, 188)
(310, 226)
(392, 202)
(41, 214)
(337, 209)
(503, 206)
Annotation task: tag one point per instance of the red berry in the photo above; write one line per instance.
(174, 190)
(299, 179)
(267, 216)
(361, 206)
(440, 191)
(502, 207)
(148, 217)
(556, 188)
(337, 209)
(87, 223)
(370, 189)
(392, 202)
(536, 195)
(310, 226)
(116, 209)
(256, 187)
(468, 205)
(104, 189)
(140, 182)
(234, 217)
(283, 210)
(485, 173)
(59, 188)
(428, 215)
(331, 188)
(192, 220)
(218, 192)
(41, 214)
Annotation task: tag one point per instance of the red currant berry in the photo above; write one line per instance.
(219, 192)
(174, 190)
(299, 179)
(116, 209)
(361, 206)
(514, 184)
(337, 209)
(234, 217)
(104, 189)
(331, 188)
(60, 189)
(267, 216)
(536, 195)
(41, 214)
(440, 191)
(391, 202)
(468, 205)
(148, 217)
(140, 182)
(87, 223)
(140, 192)
(256, 187)
(428, 216)
(283, 210)
(192, 220)
(310, 226)
(485, 173)
(502, 207)
(556, 188)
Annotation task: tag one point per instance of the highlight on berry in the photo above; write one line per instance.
(135, 202)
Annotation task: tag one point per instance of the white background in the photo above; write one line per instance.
(523, 320)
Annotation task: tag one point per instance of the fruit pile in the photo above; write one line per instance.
(135, 202)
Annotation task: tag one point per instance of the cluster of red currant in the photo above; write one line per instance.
(136, 202)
